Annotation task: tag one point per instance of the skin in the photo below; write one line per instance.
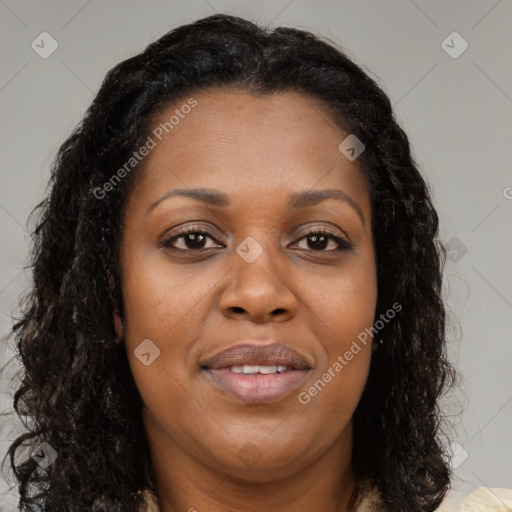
(257, 150)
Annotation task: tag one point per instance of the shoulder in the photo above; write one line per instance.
(486, 499)
(483, 499)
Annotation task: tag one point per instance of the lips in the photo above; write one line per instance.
(265, 355)
(256, 374)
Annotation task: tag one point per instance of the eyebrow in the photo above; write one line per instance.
(296, 200)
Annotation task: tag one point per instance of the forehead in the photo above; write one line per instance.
(251, 146)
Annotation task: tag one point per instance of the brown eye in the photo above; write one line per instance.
(195, 239)
(191, 239)
(319, 240)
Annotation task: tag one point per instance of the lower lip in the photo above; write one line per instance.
(257, 388)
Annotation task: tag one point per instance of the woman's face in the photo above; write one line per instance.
(268, 269)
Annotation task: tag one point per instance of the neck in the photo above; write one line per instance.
(185, 483)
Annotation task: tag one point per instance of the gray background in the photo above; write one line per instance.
(456, 111)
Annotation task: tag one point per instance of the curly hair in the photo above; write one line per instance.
(77, 392)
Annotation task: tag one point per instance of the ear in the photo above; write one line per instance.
(118, 323)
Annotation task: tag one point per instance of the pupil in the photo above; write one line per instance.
(197, 240)
(316, 244)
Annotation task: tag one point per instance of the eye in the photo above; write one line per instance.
(195, 239)
(319, 240)
(191, 239)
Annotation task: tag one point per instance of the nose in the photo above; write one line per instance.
(258, 291)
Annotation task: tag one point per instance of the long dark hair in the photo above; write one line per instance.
(77, 393)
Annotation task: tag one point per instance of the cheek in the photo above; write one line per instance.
(162, 302)
(345, 301)
(346, 309)
(166, 308)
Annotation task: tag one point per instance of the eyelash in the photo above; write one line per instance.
(343, 245)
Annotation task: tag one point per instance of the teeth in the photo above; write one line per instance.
(268, 369)
(253, 369)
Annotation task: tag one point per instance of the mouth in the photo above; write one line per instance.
(255, 387)
(256, 374)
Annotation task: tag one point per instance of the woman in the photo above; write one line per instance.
(236, 297)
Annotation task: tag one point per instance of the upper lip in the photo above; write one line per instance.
(252, 354)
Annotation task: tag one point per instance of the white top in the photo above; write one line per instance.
(482, 499)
